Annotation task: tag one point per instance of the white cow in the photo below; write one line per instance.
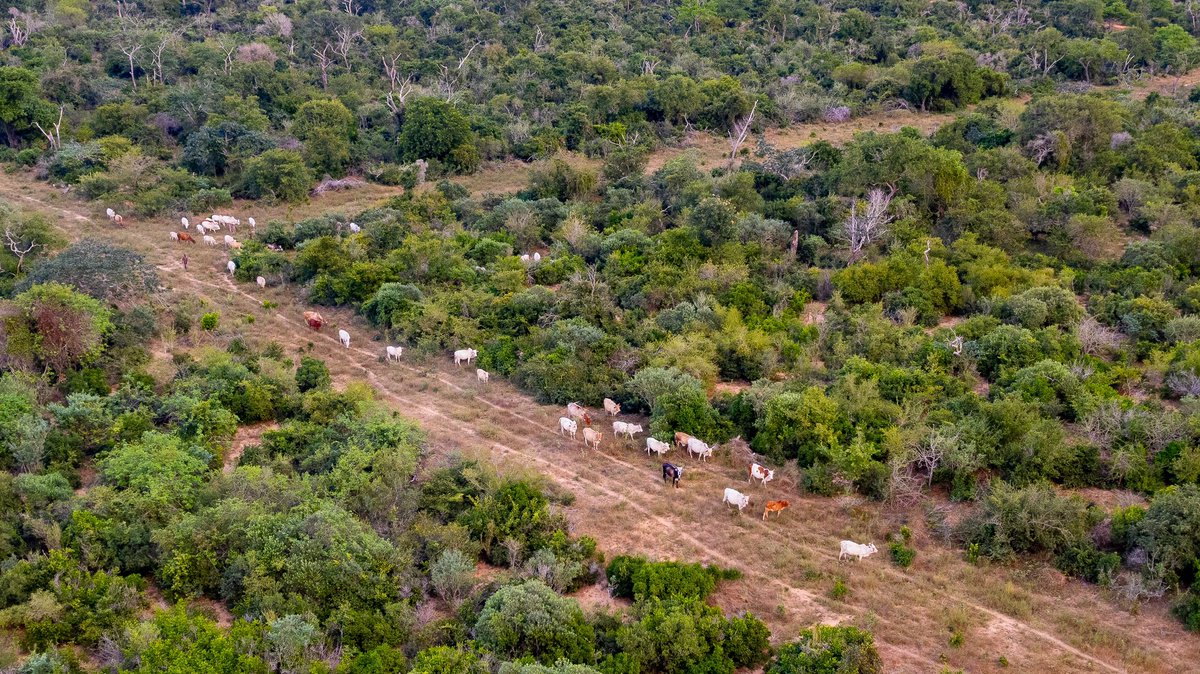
(612, 407)
(626, 429)
(229, 241)
(699, 448)
(110, 213)
(537, 257)
(394, 352)
(737, 498)
(209, 240)
(763, 473)
(465, 356)
(185, 223)
(231, 266)
(174, 236)
(591, 436)
(253, 224)
(482, 375)
(657, 446)
(355, 228)
(567, 425)
(857, 550)
(525, 257)
(262, 282)
(344, 338)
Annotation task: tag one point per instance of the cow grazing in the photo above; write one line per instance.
(681, 439)
(184, 237)
(626, 429)
(857, 550)
(774, 507)
(119, 220)
(174, 236)
(465, 356)
(344, 338)
(591, 437)
(394, 353)
(537, 257)
(673, 473)
(737, 498)
(314, 320)
(210, 240)
(236, 245)
(253, 224)
(657, 446)
(262, 282)
(612, 407)
(185, 223)
(275, 247)
(110, 213)
(201, 228)
(231, 266)
(568, 426)
(482, 375)
(579, 413)
(699, 448)
(525, 257)
(355, 228)
(229, 241)
(763, 473)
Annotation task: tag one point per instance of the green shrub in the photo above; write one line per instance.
(1187, 609)
(530, 621)
(641, 580)
(827, 649)
(209, 321)
(1088, 563)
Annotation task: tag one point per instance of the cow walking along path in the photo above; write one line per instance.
(788, 563)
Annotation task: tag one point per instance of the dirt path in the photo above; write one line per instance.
(789, 564)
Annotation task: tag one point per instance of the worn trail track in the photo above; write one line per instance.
(788, 563)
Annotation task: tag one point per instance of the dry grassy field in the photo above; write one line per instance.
(1022, 618)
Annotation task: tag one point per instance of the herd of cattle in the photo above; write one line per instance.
(576, 413)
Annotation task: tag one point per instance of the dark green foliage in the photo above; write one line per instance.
(434, 129)
(828, 649)
(104, 271)
(312, 374)
(641, 580)
(530, 620)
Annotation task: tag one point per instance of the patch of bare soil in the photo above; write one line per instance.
(245, 437)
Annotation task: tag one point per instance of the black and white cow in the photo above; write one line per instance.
(673, 473)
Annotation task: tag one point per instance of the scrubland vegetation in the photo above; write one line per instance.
(992, 324)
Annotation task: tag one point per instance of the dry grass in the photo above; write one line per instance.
(789, 564)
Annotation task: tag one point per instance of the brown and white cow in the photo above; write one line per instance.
(681, 439)
(762, 473)
(314, 320)
(591, 437)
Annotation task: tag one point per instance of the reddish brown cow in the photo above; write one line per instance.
(774, 507)
(314, 320)
(184, 236)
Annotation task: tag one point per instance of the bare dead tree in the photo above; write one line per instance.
(463, 61)
(157, 57)
(229, 49)
(648, 66)
(398, 89)
(130, 51)
(448, 83)
(737, 134)
(324, 60)
(20, 26)
(869, 221)
(1096, 338)
(539, 40)
(348, 7)
(956, 344)
(55, 137)
(928, 247)
(346, 37)
(18, 248)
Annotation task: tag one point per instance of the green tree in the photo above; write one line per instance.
(20, 103)
(312, 374)
(276, 174)
(67, 327)
(327, 129)
(530, 620)
(433, 129)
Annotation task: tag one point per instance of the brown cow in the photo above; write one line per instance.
(184, 236)
(774, 507)
(314, 320)
(681, 439)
